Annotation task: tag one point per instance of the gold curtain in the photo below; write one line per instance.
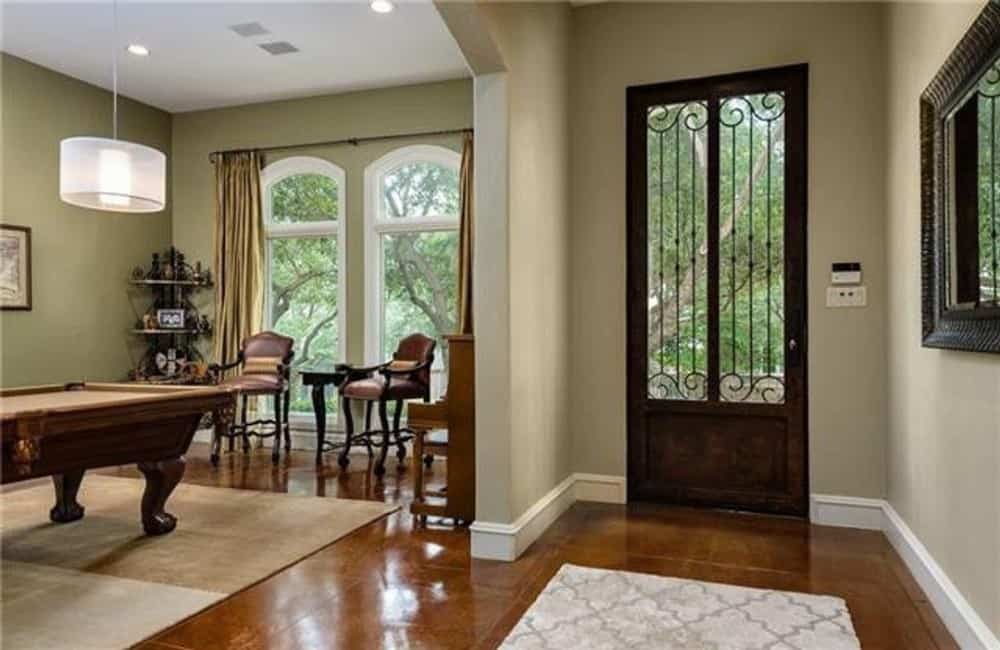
(465, 239)
(239, 251)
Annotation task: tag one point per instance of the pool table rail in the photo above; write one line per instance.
(156, 426)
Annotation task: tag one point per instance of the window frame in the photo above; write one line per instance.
(275, 173)
(377, 225)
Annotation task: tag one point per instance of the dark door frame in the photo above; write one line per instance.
(796, 242)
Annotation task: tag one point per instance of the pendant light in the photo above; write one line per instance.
(112, 174)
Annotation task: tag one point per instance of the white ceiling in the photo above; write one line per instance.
(197, 62)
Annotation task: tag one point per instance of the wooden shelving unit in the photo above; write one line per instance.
(172, 355)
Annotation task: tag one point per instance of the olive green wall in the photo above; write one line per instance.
(616, 45)
(82, 309)
(944, 406)
(404, 109)
(534, 41)
(81, 258)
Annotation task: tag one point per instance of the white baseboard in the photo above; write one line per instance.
(847, 512)
(304, 440)
(965, 625)
(494, 541)
(603, 488)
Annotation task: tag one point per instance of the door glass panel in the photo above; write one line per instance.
(677, 251)
(751, 248)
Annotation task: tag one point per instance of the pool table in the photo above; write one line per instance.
(63, 430)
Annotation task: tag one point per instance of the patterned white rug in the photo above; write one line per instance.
(587, 609)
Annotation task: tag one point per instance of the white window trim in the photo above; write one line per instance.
(277, 172)
(377, 224)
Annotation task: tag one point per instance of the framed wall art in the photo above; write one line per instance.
(170, 319)
(15, 267)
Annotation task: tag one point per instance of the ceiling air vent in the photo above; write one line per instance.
(249, 29)
(278, 47)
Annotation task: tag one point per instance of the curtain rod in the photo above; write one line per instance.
(351, 141)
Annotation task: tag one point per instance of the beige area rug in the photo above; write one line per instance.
(99, 583)
(586, 609)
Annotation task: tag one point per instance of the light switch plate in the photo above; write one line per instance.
(837, 297)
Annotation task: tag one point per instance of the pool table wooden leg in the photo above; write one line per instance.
(67, 509)
(161, 479)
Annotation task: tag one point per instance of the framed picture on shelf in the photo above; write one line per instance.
(170, 319)
(15, 267)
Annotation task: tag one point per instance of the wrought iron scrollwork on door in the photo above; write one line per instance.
(750, 199)
(676, 248)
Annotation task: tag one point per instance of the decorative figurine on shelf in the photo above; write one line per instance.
(198, 370)
(196, 276)
(138, 274)
(154, 267)
(149, 322)
(180, 266)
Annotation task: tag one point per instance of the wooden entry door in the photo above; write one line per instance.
(717, 291)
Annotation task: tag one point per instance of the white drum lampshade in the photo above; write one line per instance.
(115, 175)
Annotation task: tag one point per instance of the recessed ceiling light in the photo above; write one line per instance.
(138, 50)
(382, 6)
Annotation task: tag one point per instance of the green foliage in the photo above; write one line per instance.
(420, 286)
(420, 190)
(304, 301)
(420, 274)
(751, 222)
(420, 268)
(989, 195)
(304, 198)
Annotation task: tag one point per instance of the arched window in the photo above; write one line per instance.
(304, 216)
(411, 248)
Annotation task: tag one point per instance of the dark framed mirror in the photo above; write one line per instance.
(960, 185)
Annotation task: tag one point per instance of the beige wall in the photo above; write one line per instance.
(944, 407)
(405, 109)
(534, 42)
(81, 259)
(617, 45)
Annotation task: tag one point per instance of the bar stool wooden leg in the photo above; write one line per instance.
(368, 428)
(400, 447)
(276, 450)
(386, 434)
(218, 430)
(245, 435)
(284, 421)
(345, 409)
(418, 468)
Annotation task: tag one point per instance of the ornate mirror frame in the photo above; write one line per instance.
(968, 329)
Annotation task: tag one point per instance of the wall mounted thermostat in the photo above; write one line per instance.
(846, 273)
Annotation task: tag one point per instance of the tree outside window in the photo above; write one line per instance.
(303, 210)
(413, 240)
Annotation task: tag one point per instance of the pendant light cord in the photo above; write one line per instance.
(114, 72)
